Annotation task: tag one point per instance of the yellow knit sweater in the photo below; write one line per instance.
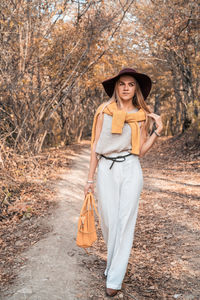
(119, 117)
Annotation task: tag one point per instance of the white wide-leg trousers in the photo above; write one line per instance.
(118, 192)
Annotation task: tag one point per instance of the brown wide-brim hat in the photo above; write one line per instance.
(143, 80)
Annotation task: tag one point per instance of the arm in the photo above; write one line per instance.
(147, 143)
(93, 156)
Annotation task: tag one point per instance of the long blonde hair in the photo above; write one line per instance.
(138, 101)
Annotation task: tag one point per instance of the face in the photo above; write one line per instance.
(126, 87)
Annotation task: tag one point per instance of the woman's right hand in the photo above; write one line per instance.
(89, 187)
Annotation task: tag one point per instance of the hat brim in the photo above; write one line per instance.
(143, 80)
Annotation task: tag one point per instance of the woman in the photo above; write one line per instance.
(119, 137)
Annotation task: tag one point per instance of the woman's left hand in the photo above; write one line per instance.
(158, 121)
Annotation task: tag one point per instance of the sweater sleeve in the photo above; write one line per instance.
(99, 109)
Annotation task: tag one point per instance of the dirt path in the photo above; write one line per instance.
(165, 260)
(54, 269)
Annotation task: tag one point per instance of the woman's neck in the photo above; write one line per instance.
(126, 105)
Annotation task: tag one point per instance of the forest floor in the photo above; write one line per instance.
(39, 257)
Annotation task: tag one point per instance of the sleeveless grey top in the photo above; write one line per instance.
(112, 142)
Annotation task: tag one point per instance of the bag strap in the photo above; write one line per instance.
(94, 205)
(85, 203)
(93, 202)
(89, 202)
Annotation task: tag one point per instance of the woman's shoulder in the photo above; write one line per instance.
(101, 107)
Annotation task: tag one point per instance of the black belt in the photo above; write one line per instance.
(116, 158)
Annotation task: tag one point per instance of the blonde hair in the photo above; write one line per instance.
(138, 101)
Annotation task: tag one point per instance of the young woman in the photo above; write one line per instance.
(119, 137)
